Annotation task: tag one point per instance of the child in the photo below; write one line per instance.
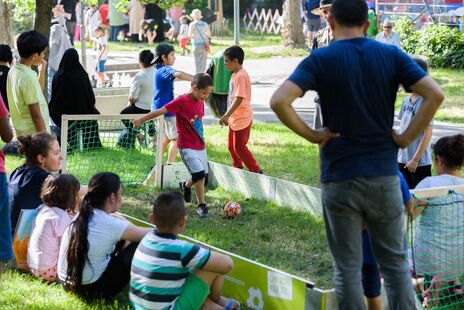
(183, 35)
(6, 134)
(28, 107)
(189, 110)
(176, 273)
(239, 115)
(415, 161)
(164, 92)
(370, 271)
(102, 54)
(148, 29)
(60, 198)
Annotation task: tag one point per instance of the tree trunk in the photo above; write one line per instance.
(292, 24)
(43, 16)
(6, 24)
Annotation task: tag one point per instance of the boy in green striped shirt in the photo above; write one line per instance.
(169, 273)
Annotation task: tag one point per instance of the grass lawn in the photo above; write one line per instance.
(452, 109)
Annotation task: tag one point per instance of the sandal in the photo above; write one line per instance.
(231, 303)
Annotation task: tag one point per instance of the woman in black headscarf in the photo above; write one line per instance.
(72, 94)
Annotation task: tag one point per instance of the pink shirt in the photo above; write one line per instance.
(189, 121)
(3, 114)
(44, 244)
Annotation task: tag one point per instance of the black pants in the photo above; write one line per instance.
(128, 135)
(413, 178)
(115, 277)
(90, 135)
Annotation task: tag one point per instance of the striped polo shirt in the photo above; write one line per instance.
(159, 268)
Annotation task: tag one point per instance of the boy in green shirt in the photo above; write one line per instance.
(28, 107)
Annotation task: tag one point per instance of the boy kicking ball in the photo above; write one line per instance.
(189, 109)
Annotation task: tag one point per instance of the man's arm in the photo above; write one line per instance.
(37, 118)
(281, 104)
(412, 164)
(224, 120)
(6, 133)
(433, 97)
(139, 121)
(183, 76)
(42, 71)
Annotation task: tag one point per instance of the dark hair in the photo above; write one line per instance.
(146, 57)
(421, 62)
(350, 13)
(101, 186)
(31, 42)
(60, 190)
(235, 52)
(451, 151)
(32, 146)
(5, 54)
(168, 209)
(202, 80)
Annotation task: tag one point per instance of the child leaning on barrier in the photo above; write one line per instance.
(189, 109)
(415, 160)
(60, 194)
(169, 273)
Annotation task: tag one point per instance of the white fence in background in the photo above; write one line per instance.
(264, 21)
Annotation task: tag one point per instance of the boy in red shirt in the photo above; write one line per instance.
(239, 115)
(189, 109)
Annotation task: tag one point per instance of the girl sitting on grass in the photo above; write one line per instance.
(60, 198)
(95, 257)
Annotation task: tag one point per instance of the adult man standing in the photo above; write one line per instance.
(312, 21)
(70, 10)
(388, 36)
(323, 37)
(358, 147)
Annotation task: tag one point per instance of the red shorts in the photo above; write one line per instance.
(184, 42)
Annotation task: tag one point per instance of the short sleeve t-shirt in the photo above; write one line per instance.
(3, 114)
(440, 180)
(23, 89)
(159, 268)
(407, 112)
(44, 244)
(357, 81)
(189, 121)
(240, 86)
(163, 87)
(104, 232)
(24, 189)
(103, 42)
(142, 88)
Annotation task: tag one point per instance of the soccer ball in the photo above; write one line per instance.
(232, 209)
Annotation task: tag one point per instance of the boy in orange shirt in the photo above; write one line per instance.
(239, 115)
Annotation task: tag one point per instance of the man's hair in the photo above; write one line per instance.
(5, 54)
(31, 42)
(350, 13)
(422, 62)
(235, 52)
(168, 209)
(202, 80)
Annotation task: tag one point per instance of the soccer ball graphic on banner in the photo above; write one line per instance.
(232, 209)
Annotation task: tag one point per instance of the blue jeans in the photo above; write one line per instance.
(376, 201)
(6, 246)
(50, 74)
(114, 31)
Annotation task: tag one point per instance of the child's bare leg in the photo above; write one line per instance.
(215, 282)
(374, 303)
(199, 189)
(172, 154)
(165, 144)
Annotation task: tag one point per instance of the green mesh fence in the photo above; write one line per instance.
(110, 145)
(437, 252)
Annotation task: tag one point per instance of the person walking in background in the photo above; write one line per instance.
(102, 54)
(372, 31)
(59, 43)
(104, 11)
(199, 34)
(183, 35)
(116, 20)
(175, 13)
(358, 148)
(136, 15)
(313, 21)
(388, 36)
(6, 61)
(239, 115)
(70, 10)
(92, 20)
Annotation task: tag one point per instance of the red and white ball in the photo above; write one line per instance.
(232, 209)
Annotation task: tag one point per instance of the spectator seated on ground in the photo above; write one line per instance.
(148, 30)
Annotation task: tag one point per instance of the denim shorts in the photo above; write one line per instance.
(100, 66)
